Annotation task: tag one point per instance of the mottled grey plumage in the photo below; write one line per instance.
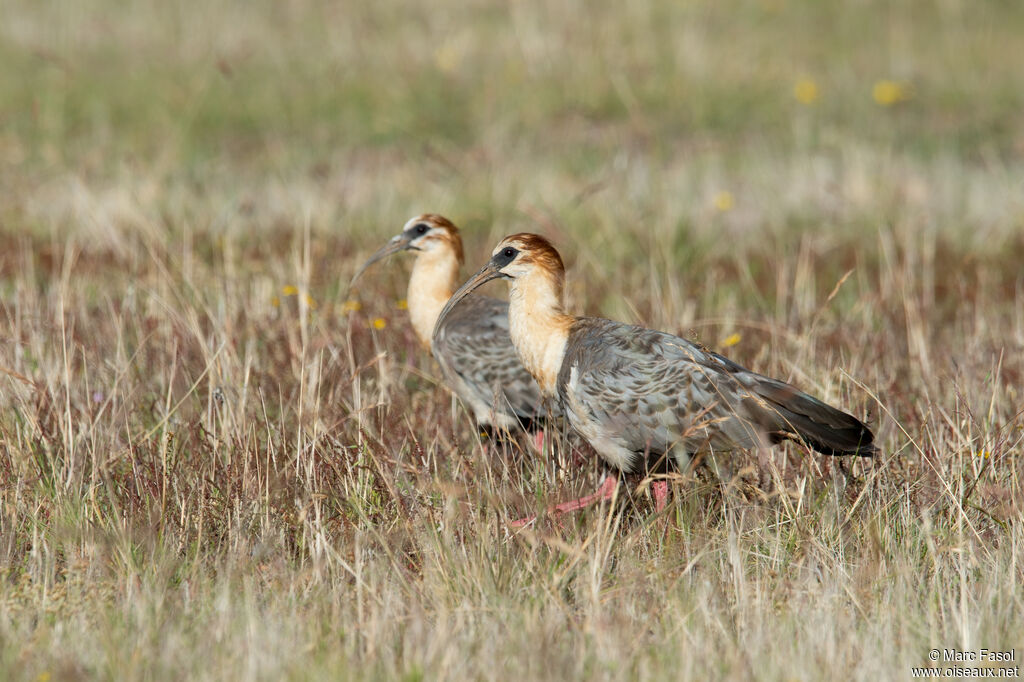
(476, 355)
(634, 392)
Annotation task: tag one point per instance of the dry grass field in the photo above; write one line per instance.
(217, 462)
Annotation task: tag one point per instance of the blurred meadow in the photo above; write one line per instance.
(216, 462)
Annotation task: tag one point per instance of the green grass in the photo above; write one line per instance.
(203, 477)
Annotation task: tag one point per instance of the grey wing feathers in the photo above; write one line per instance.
(476, 355)
(658, 392)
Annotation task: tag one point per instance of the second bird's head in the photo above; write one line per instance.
(428, 233)
(516, 257)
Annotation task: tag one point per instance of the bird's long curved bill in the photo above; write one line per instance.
(485, 274)
(394, 246)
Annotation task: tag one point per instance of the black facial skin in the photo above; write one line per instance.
(414, 233)
(504, 257)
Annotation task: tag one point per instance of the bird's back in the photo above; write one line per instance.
(628, 389)
(477, 357)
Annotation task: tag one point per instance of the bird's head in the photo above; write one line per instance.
(524, 254)
(516, 257)
(427, 233)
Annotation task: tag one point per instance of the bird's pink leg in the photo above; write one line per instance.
(660, 490)
(538, 440)
(605, 492)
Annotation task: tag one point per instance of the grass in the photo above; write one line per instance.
(205, 477)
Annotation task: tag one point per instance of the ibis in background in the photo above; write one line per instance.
(638, 395)
(472, 344)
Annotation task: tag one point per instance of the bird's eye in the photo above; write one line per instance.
(421, 228)
(505, 256)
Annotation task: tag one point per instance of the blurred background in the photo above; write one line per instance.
(745, 118)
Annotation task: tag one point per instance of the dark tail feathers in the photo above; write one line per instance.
(794, 415)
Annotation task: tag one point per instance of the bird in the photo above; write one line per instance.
(639, 396)
(472, 345)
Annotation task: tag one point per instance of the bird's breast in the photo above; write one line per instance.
(579, 403)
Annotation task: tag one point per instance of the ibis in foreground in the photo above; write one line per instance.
(637, 395)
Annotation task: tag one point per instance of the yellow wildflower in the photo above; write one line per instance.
(806, 91)
(379, 323)
(290, 290)
(351, 306)
(731, 340)
(447, 58)
(310, 302)
(402, 304)
(724, 201)
(275, 301)
(887, 92)
(983, 454)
